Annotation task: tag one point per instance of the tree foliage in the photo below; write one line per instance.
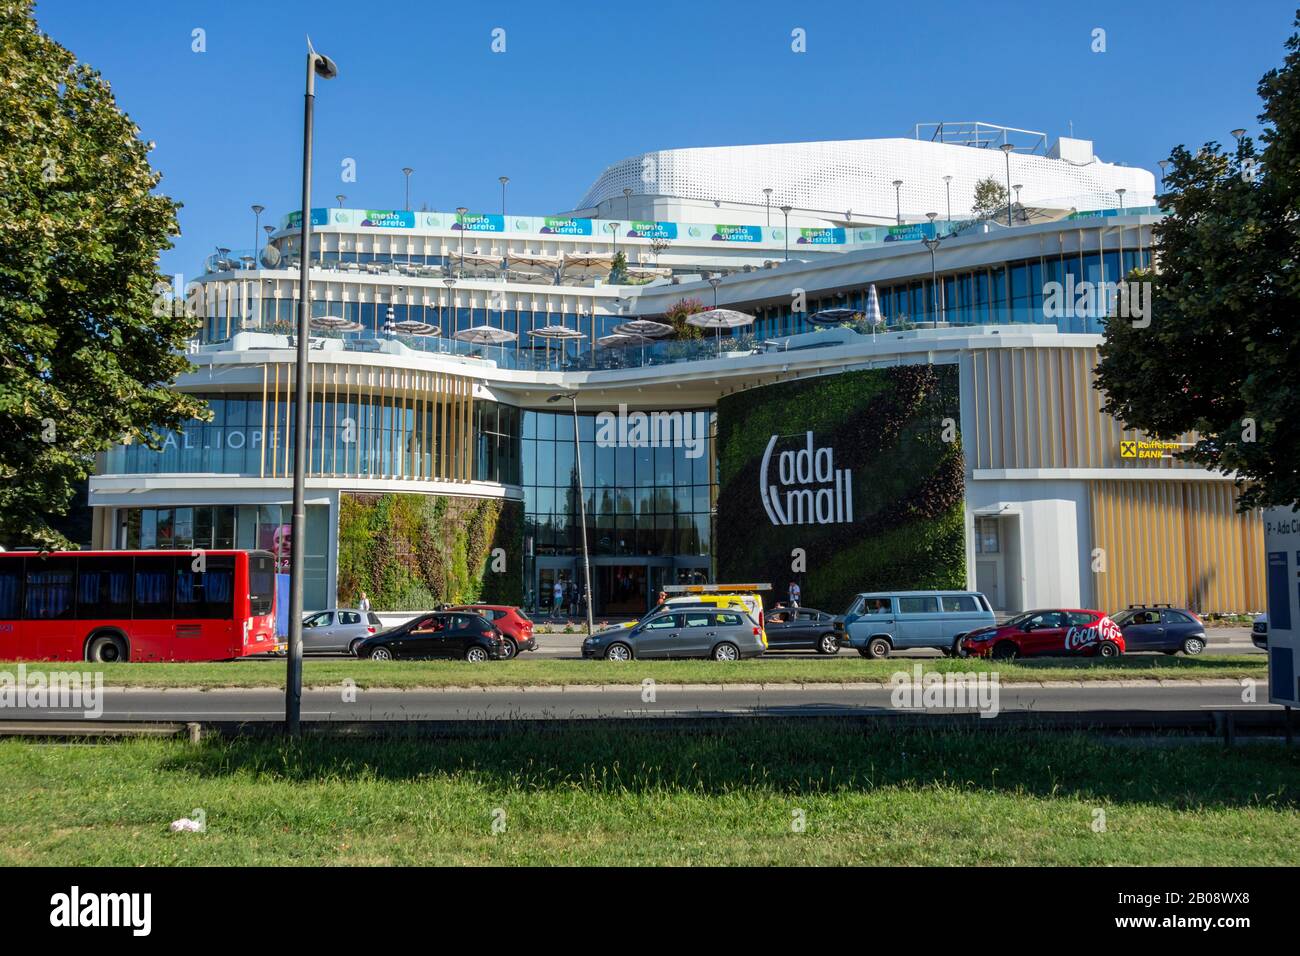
(677, 314)
(991, 199)
(1221, 355)
(84, 361)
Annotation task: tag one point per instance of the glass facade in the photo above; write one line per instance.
(641, 501)
(347, 438)
(990, 295)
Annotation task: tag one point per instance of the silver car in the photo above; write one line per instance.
(724, 634)
(337, 629)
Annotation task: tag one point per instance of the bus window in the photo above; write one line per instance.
(11, 587)
(209, 593)
(104, 588)
(153, 587)
(50, 595)
(261, 584)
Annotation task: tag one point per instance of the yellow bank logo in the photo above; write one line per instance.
(1147, 448)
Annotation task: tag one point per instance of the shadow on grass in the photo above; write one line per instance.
(783, 757)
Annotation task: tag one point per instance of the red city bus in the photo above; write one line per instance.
(136, 605)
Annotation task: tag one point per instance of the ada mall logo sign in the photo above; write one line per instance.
(809, 488)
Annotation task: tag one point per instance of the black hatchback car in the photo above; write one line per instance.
(1161, 627)
(443, 634)
(801, 628)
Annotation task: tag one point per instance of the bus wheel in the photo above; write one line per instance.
(106, 649)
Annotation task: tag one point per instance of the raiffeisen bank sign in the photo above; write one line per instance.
(809, 488)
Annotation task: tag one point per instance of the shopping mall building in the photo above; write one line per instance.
(952, 438)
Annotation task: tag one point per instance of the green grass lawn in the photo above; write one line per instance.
(604, 794)
(551, 671)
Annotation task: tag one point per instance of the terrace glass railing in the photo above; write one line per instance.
(795, 335)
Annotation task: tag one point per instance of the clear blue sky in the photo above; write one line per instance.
(584, 84)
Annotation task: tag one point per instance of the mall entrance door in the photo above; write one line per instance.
(621, 588)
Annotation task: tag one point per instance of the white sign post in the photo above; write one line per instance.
(1282, 570)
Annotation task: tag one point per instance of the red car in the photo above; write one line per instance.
(510, 621)
(1054, 633)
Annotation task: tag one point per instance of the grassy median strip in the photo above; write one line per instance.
(528, 671)
(775, 792)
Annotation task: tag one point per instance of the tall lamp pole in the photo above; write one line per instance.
(947, 185)
(503, 180)
(767, 201)
(932, 243)
(317, 65)
(460, 212)
(257, 227)
(406, 171)
(1006, 151)
(785, 211)
(582, 503)
(898, 202)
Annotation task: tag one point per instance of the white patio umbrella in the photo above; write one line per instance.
(644, 329)
(873, 313)
(486, 335)
(558, 333)
(334, 323)
(415, 327)
(719, 319)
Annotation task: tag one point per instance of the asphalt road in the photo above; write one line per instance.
(1221, 641)
(626, 701)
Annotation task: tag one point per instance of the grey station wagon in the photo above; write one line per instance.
(880, 622)
(722, 634)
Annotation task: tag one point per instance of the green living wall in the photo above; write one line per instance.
(888, 427)
(411, 552)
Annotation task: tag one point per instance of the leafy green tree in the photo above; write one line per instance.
(618, 269)
(1220, 356)
(84, 359)
(676, 317)
(990, 199)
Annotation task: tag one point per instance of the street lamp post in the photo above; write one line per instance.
(503, 180)
(715, 281)
(785, 211)
(1017, 188)
(898, 202)
(317, 65)
(1120, 193)
(1164, 165)
(1006, 151)
(460, 213)
(451, 300)
(340, 197)
(612, 227)
(406, 171)
(582, 503)
(767, 201)
(257, 227)
(932, 243)
(627, 203)
(947, 186)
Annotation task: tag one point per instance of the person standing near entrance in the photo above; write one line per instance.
(364, 604)
(558, 591)
(795, 594)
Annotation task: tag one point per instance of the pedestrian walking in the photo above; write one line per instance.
(795, 594)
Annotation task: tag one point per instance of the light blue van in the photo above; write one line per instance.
(883, 621)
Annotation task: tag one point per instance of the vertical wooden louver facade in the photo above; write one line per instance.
(1176, 542)
(369, 421)
(1165, 536)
